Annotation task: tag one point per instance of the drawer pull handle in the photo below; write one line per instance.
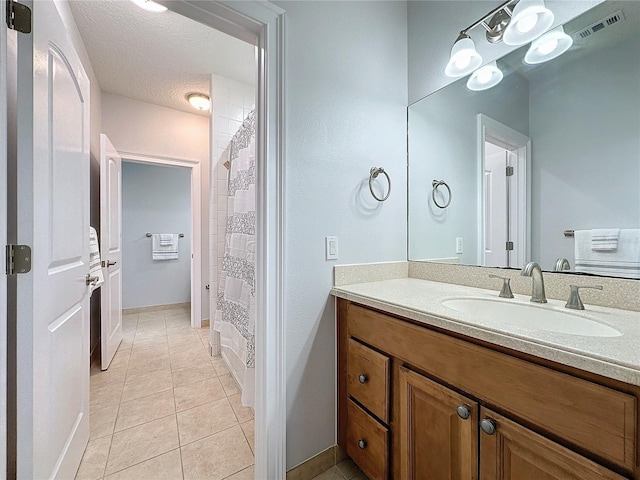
(488, 426)
(362, 444)
(463, 412)
(363, 378)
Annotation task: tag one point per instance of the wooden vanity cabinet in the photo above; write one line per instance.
(550, 422)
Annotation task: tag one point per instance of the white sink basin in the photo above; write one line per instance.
(531, 316)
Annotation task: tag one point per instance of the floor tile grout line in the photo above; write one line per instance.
(150, 458)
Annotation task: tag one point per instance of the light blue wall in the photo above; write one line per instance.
(155, 199)
(346, 104)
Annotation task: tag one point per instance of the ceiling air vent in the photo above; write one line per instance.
(601, 24)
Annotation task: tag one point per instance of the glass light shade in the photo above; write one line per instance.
(150, 6)
(485, 77)
(199, 101)
(529, 20)
(549, 46)
(464, 58)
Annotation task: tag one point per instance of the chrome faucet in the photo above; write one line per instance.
(532, 269)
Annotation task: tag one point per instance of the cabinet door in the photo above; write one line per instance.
(439, 431)
(509, 451)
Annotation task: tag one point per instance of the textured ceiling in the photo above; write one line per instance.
(157, 57)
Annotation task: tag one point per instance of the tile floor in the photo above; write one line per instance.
(166, 410)
(346, 470)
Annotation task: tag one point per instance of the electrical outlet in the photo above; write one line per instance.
(331, 244)
(458, 244)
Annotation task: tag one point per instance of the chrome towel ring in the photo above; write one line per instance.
(435, 184)
(373, 173)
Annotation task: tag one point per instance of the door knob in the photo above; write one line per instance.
(108, 263)
(363, 378)
(488, 426)
(463, 412)
(362, 444)
(91, 280)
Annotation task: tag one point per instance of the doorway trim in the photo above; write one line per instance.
(263, 24)
(498, 133)
(196, 217)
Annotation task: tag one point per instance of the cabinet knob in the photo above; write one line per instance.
(488, 426)
(363, 378)
(463, 412)
(362, 444)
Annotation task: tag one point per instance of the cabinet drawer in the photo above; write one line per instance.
(596, 418)
(367, 443)
(368, 379)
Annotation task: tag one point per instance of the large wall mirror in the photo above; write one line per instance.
(543, 165)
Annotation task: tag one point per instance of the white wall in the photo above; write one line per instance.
(143, 128)
(443, 146)
(231, 103)
(434, 26)
(155, 199)
(584, 128)
(346, 97)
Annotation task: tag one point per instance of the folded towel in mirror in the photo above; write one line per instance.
(604, 239)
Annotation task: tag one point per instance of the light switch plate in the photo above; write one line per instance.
(458, 244)
(331, 244)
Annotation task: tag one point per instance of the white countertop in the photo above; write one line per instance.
(421, 300)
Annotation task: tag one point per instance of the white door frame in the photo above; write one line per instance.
(196, 222)
(3, 240)
(492, 130)
(263, 24)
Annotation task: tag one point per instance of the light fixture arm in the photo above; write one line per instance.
(482, 21)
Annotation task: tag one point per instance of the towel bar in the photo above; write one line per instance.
(181, 235)
(569, 233)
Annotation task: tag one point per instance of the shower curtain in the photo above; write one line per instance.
(235, 308)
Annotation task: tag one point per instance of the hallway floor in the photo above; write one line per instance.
(166, 409)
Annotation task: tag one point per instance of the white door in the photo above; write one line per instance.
(110, 249)
(53, 218)
(495, 208)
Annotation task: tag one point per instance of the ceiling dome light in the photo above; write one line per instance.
(464, 57)
(199, 101)
(485, 77)
(549, 46)
(529, 20)
(150, 6)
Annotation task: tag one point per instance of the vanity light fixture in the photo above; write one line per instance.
(485, 77)
(464, 58)
(549, 46)
(150, 6)
(199, 101)
(515, 22)
(529, 20)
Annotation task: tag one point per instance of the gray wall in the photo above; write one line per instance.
(155, 199)
(346, 98)
(585, 120)
(434, 25)
(443, 146)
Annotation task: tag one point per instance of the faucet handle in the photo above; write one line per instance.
(575, 302)
(506, 286)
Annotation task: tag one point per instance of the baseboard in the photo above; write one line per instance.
(155, 308)
(317, 464)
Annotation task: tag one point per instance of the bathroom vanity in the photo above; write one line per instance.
(429, 392)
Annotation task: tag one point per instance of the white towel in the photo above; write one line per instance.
(95, 262)
(623, 262)
(164, 252)
(166, 239)
(605, 239)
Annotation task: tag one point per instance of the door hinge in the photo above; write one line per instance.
(509, 171)
(18, 17)
(18, 259)
(509, 246)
